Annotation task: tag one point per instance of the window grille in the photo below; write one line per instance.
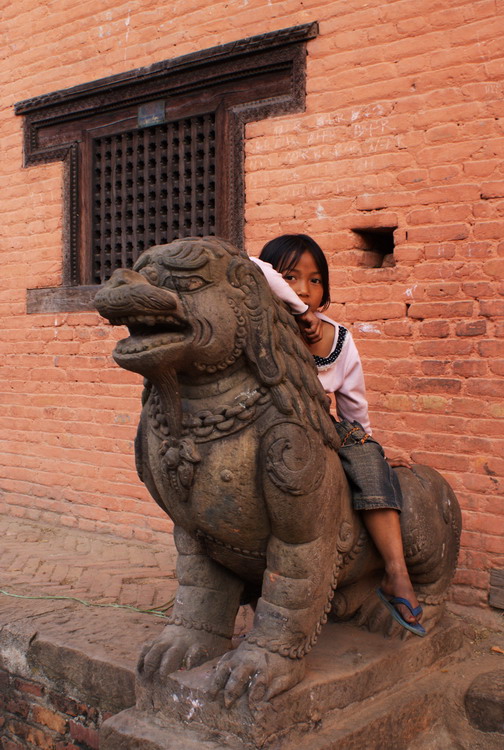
(149, 187)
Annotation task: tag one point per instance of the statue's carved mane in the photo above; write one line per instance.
(300, 393)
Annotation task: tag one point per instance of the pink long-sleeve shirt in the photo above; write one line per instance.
(341, 371)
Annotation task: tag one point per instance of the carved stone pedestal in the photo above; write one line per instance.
(359, 688)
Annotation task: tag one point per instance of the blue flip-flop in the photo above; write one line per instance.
(416, 612)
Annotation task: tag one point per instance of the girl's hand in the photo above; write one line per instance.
(310, 327)
(399, 461)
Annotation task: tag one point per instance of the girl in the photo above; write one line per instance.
(375, 487)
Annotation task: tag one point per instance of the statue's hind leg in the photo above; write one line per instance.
(431, 525)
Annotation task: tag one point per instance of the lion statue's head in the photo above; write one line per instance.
(199, 306)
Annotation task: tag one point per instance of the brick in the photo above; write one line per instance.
(434, 328)
(492, 190)
(398, 328)
(489, 230)
(488, 387)
(440, 309)
(422, 216)
(50, 719)
(454, 213)
(31, 688)
(475, 250)
(412, 176)
(494, 268)
(440, 233)
(396, 402)
(477, 289)
(492, 308)
(435, 367)
(471, 328)
(86, 735)
(443, 250)
(470, 368)
(440, 461)
(441, 291)
(409, 254)
(486, 524)
(478, 483)
(497, 365)
(30, 735)
(376, 311)
(481, 167)
(433, 385)
(484, 210)
(490, 348)
(17, 707)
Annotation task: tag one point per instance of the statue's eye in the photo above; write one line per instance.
(185, 283)
(150, 274)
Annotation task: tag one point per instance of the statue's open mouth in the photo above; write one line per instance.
(149, 332)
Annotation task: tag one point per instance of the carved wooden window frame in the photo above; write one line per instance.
(247, 80)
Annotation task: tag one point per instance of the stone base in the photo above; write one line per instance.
(360, 690)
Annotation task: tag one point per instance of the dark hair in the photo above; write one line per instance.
(284, 252)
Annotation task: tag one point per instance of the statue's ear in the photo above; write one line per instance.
(258, 310)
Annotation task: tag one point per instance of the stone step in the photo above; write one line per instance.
(389, 721)
(386, 722)
(356, 684)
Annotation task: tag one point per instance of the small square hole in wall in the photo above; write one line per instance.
(378, 246)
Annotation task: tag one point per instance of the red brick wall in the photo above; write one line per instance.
(34, 715)
(404, 126)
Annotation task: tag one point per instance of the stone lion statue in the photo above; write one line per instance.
(236, 444)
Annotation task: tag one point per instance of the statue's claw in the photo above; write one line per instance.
(254, 670)
(177, 648)
(375, 618)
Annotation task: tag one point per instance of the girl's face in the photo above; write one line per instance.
(306, 280)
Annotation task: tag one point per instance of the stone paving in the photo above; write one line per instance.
(39, 560)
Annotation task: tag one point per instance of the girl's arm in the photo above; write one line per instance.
(308, 322)
(280, 287)
(351, 402)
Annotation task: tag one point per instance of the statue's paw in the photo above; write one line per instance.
(256, 671)
(375, 618)
(177, 647)
(431, 615)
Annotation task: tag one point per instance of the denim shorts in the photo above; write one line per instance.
(373, 483)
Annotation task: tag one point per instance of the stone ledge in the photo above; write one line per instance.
(347, 666)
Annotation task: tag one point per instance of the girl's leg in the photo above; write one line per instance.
(384, 529)
(376, 493)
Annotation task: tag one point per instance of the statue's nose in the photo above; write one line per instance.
(122, 276)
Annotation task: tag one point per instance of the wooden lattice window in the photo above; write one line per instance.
(149, 187)
(157, 153)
